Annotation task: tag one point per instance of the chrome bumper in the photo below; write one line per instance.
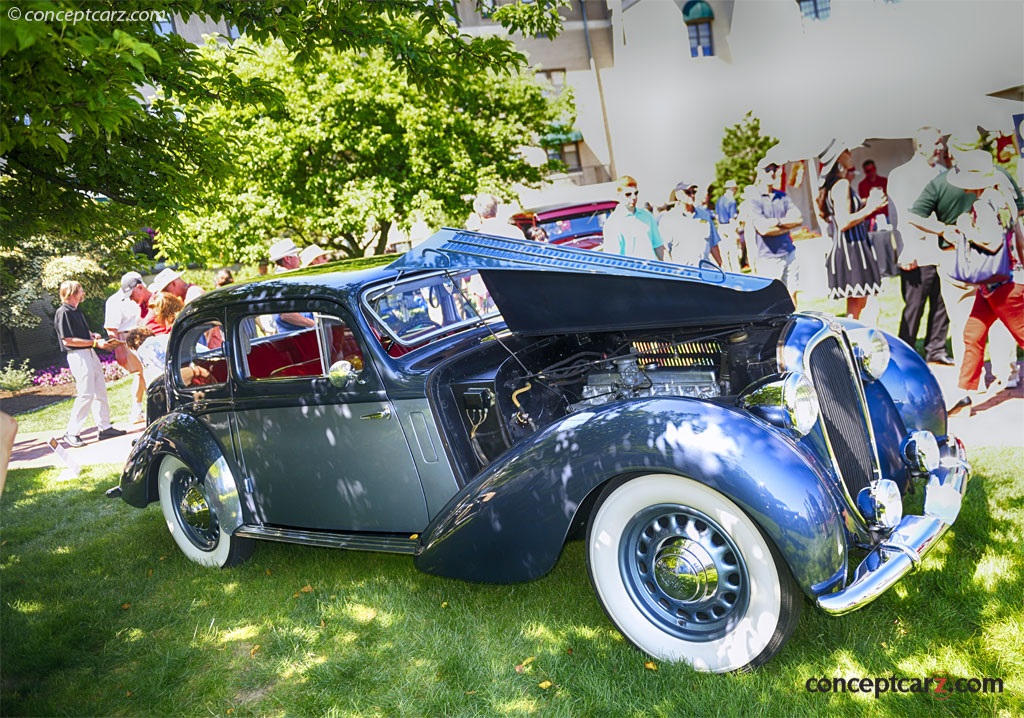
(909, 542)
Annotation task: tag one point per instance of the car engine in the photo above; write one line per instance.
(627, 379)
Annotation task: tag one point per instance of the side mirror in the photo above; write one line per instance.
(341, 374)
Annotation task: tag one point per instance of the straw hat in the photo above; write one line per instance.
(973, 170)
(160, 282)
(283, 248)
(308, 254)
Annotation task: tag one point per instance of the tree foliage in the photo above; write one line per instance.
(352, 147)
(743, 146)
(94, 141)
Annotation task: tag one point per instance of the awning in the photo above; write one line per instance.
(563, 137)
(697, 11)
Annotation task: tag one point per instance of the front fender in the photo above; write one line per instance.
(186, 437)
(511, 522)
(911, 386)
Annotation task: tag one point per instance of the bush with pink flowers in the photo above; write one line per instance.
(54, 375)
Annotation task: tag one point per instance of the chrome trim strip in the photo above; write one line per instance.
(323, 539)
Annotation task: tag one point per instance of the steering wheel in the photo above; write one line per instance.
(416, 326)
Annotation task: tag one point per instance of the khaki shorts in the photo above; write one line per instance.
(783, 267)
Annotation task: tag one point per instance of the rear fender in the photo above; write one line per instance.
(186, 437)
(511, 522)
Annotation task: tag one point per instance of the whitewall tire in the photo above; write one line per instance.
(686, 575)
(193, 524)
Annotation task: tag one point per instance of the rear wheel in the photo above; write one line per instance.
(193, 522)
(686, 575)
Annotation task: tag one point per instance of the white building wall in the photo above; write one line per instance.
(873, 69)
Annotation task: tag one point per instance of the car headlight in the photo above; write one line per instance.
(871, 349)
(788, 401)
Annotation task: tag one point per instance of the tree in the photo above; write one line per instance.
(89, 158)
(743, 146)
(353, 147)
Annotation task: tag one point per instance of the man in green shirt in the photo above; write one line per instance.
(935, 211)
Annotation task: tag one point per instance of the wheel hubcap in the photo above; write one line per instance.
(684, 572)
(194, 515)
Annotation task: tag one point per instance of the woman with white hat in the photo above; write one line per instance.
(992, 227)
(851, 265)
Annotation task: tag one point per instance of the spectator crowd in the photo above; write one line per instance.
(954, 217)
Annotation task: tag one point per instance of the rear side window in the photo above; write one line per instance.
(200, 359)
(296, 344)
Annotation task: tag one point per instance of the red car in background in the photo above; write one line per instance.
(573, 225)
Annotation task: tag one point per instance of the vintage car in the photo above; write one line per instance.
(576, 224)
(481, 401)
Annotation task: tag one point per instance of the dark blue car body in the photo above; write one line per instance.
(481, 401)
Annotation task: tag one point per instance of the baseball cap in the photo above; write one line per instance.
(129, 281)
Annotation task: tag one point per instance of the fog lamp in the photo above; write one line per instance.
(881, 503)
(920, 451)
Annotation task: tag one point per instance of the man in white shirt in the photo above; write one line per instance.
(630, 230)
(486, 208)
(121, 316)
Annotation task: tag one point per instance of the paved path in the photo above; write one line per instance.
(997, 421)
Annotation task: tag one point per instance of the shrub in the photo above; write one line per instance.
(56, 375)
(14, 378)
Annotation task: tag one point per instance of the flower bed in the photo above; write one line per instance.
(56, 375)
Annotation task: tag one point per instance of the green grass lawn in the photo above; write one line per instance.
(101, 615)
(55, 416)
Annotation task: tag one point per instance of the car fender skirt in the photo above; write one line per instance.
(511, 522)
(187, 438)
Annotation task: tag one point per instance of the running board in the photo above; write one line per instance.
(353, 542)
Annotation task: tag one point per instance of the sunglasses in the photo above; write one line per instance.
(771, 169)
(634, 193)
(690, 192)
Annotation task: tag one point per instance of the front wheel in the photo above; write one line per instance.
(193, 523)
(686, 575)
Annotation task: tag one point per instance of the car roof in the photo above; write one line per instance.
(556, 211)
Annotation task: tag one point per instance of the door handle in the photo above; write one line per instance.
(385, 414)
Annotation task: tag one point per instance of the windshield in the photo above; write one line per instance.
(415, 309)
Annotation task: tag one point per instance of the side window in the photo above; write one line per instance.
(296, 344)
(200, 358)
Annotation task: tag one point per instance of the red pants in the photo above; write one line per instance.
(1006, 304)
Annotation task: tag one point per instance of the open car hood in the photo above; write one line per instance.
(547, 289)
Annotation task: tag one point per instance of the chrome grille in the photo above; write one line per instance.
(842, 414)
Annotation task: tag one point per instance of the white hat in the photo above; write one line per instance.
(308, 254)
(830, 155)
(283, 248)
(160, 282)
(731, 184)
(973, 170)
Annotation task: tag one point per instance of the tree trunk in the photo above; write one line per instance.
(382, 236)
